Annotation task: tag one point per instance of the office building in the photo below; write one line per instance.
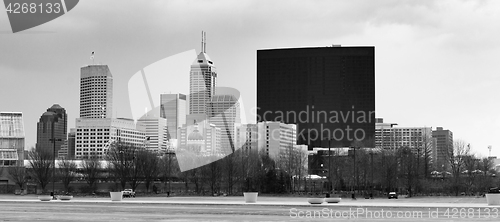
(444, 147)
(155, 131)
(202, 82)
(53, 123)
(247, 136)
(390, 137)
(62, 153)
(95, 135)
(276, 138)
(329, 92)
(173, 108)
(71, 143)
(96, 92)
(223, 111)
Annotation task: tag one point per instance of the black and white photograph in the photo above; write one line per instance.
(250, 110)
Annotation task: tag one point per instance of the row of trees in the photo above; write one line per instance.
(126, 164)
(249, 170)
(408, 169)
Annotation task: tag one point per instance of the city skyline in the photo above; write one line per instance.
(434, 60)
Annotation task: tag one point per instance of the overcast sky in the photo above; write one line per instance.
(437, 62)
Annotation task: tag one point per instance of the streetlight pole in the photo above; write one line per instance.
(355, 176)
(330, 186)
(371, 155)
(54, 119)
(355, 181)
(53, 157)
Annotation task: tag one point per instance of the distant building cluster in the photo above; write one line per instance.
(438, 142)
(308, 99)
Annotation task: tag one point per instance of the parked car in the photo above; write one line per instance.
(392, 195)
(128, 193)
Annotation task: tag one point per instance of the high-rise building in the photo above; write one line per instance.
(11, 139)
(96, 92)
(202, 82)
(94, 135)
(71, 143)
(247, 136)
(444, 147)
(390, 137)
(173, 108)
(155, 130)
(52, 124)
(223, 111)
(329, 92)
(276, 138)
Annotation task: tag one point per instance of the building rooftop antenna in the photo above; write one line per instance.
(205, 43)
(489, 148)
(202, 41)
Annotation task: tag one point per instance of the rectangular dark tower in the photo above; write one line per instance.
(329, 92)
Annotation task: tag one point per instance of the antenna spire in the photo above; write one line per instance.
(205, 43)
(202, 41)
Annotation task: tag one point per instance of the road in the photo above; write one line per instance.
(135, 211)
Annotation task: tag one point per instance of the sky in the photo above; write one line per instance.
(436, 61)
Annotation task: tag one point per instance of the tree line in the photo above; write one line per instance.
(127, 165)
(408, 170)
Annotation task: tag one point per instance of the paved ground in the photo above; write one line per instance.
(29, 208)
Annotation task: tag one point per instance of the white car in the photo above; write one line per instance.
(128, 193)
(392, 195)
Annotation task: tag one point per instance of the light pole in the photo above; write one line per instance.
(329, 167)
(355, 173)
(371, 162)
(55, 117)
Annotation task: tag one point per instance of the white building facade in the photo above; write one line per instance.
(93, 136)
(155, 131)
(276, 138)
(96, 92)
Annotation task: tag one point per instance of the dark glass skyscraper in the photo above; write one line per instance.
(329, 92)
(44, 128)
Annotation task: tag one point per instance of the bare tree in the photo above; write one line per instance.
(122, 163)
(427, 153)
(211, 174)
(407, 167)
(18, 175)
(470, 166)
(485, 180)
(456, 159)
(67, 172)
(230, 170)
(41, 166)
(169, 168)
(149, 164)
(91, 168)
(388, 169)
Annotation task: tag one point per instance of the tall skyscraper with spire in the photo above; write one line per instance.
(202, 81)
(96, 92)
